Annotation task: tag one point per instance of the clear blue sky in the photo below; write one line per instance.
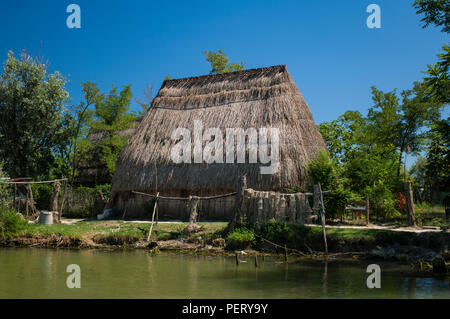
(331, 54)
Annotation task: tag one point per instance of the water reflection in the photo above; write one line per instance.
(41, 273)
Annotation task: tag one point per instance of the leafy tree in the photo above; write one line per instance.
(220, 62)
(82, 119)
(419, 178)
(111, 117)
(437, 166)
(436, 84)
(436, 12)
(322, 170)
(33, 119)
(344, 136)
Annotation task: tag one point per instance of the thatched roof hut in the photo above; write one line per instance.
(256, 98)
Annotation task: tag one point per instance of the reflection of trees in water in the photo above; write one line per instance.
(412, 281)
(325, 279)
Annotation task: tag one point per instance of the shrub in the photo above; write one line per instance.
(240, 238)
(10, 222)
(116, 239)
(6, 195)
(42, 194)
(83, 202)
(282, 232)
(323, 170)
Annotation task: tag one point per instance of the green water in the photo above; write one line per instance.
(41, 273)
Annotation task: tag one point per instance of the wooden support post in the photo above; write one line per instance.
(285, 254)
(153, 217)
(62, 201)
(367, 210)
(256, 260)
(410, 204)
(27, 187)
(322, 218)
(242, 186)
(237, 259)
(55, 196)
(193, 209)
(16, 206)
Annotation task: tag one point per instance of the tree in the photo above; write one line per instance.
(220, 62)
(344, 135)
(111, 117)
(437, 165)
(82, 118)
(436, 84)
(436, 12)
(33, 119)
(401, 123)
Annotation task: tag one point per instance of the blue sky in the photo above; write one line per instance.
(331, 54)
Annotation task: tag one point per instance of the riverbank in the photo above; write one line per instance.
(302, 242)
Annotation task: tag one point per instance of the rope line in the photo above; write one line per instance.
(186, 198)
(40, 182)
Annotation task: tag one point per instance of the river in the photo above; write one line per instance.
(41, 273)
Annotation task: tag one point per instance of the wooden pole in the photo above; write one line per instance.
(193, 209)
(285, 254)
(237, 259)
(153, 217)
(27, 198)
(55, 196)
(62, 200)
(256, 260)
(410, 204)
(367, 210)
(16, 206)
(242, 185)
(156, 186)
(322, 217)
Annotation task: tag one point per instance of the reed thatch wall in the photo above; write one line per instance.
(257, 98)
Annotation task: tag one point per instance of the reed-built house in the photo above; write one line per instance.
(185, 144)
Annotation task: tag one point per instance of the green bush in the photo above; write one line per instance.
(240, 238)
(10, 222)
(42, 194)
(6, 195)
(281, 232)
(83, 202)
(323, 170)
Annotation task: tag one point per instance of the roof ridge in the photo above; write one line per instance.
(219, 75)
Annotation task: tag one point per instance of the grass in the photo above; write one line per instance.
(305, 238)
(10, 223)
(161, 231)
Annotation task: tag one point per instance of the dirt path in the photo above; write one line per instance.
(386, 227)
(70, 221)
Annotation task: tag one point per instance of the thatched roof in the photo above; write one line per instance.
(256, 98)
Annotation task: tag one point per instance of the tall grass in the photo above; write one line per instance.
(10, 222)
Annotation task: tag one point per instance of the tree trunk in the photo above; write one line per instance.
(55, 196)
(410, 204)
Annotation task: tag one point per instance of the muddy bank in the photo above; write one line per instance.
(393, 247)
